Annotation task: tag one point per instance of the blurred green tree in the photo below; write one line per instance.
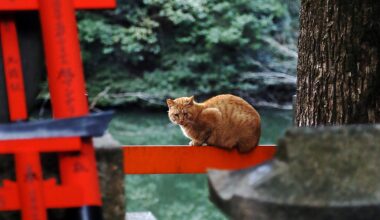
(152, 49)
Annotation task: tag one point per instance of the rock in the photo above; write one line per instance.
(139, 216)
(111, 175)
(269, 89)
(106, 141)
(318, 173)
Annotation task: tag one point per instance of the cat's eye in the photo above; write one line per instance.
(176, 115)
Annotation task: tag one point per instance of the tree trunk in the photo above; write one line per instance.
(339, 62)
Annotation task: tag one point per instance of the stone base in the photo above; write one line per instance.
(111, 175)
(139, 216)
(318, 173)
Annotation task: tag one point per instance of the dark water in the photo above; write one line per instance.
(176, 197)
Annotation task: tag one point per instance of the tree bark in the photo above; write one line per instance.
(339, 62)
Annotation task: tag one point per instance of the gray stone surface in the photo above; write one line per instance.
(139, 216)
(110, 167)
(318, 173)
(106, 141)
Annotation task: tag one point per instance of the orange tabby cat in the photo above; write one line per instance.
(225, 121)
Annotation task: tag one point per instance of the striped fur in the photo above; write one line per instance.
(224, 121)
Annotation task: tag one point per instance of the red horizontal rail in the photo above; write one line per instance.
(55, 196)
(9, 196)
(24, 5)
(40, 145)
(186, 159)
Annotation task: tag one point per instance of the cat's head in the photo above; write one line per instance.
(181, 110)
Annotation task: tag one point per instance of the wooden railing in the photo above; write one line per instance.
(187, 160)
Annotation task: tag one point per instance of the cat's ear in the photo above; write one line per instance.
(190, 101)
(170, 102)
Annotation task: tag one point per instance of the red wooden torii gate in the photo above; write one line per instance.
(79, 181)
(79, 187)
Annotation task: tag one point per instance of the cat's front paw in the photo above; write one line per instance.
(195, 143)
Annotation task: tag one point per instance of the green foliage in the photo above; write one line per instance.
(152, 49)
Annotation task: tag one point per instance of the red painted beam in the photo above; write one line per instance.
(68, 92)
(55, 196)
(27, 164)
(27, 5)
(9, 196)
(12, 69)
(40, 145)
(31, 194)
(186, 159)
(30, 186)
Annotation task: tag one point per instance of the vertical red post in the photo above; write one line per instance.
(63, 60)
(13, 71)
(67, 90)
(28, 167)
(29, 180)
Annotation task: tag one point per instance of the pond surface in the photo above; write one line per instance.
(177, 197)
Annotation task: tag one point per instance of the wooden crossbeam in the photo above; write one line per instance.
(186, 159)
(62, 144)
(54, 195)
(27, 5)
